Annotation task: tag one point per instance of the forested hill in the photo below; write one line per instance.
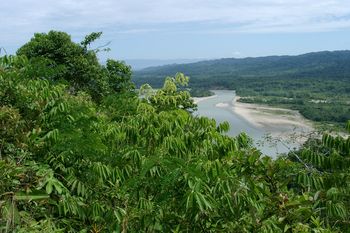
(294, 82)
(80, 151)
(220, 73)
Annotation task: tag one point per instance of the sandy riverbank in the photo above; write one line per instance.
(279, 122)
(196, 100)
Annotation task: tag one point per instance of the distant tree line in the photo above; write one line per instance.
(316, 84)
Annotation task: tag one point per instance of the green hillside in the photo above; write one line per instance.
(221, 72)
(316, 84)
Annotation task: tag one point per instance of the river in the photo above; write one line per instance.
(209, 108)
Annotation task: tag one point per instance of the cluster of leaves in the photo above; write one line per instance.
(326, 177)
(123, 163)
(75, 65)
(170, 97)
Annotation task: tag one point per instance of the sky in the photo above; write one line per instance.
(191, 29)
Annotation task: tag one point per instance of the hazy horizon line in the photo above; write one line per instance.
(235, 57)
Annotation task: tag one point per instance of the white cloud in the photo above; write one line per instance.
(144, 16)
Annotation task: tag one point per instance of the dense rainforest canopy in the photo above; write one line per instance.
(80, 151)
(316, 84)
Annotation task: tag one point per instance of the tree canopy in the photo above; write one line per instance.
(76, 65)
(71, 162)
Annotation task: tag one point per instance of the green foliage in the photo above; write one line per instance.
(316, 84)
(69, 163)
(325, 178)
(200, 92)
(90, 38)
(62, 60)
(169, 97)
(119, 76)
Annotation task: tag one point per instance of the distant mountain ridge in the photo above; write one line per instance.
(139, 64)
(330, 64)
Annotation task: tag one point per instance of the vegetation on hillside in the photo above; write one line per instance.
(74, 159)
(200, 92)
(316, 84)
